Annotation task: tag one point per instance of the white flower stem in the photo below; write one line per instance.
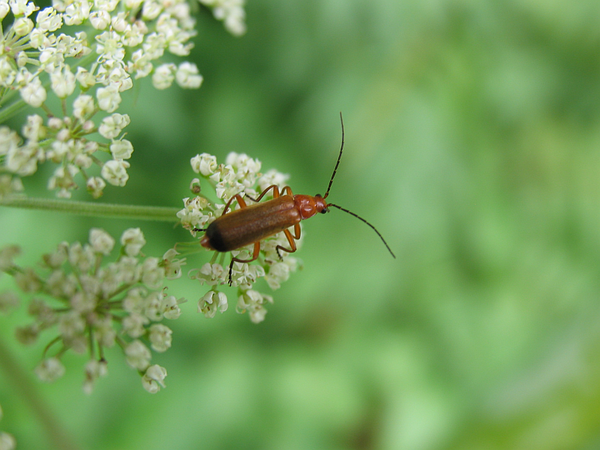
(155, 213)
(21, 381)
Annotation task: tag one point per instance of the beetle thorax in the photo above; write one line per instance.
(309, 205)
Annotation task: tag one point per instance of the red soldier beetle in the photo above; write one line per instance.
(250, 224)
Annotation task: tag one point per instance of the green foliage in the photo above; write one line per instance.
(472, 144)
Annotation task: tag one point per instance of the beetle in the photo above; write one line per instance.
(250, 224)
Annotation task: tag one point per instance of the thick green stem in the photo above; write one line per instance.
(28, 391)
(156, 213)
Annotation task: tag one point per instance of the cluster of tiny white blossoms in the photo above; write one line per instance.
(239, 175)
(7, 440)
(93, 306)
(87, 54)
(231, 12)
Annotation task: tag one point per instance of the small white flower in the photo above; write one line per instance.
(49, 370)
(22, 26)
(253, 302)
(104, 333)
(154, 45)
(133, 241)
(7, 73)
(170, 307)
(100, 19)
(133, 325)
(133, 35)
(204, 164)
(278, 273)
(122, 149)
(34, 93)
(4, 9)
(152, 274)
(7, 441)
(163, 76)
(34, 128)
(106, 5)
(115, 172)
(63, 83)
(153, 379)
(129, 270)
(83, 106)
(101, 241)
(133, 4)
(94, 369)
(187, 76)
(55, 259)
(137, 355)
(95, 186)
(195, 213)
(108, 98)
(85, 78)
(110, 46)
(153, 306)
(150, 10)
(48, 19)
(160, 337)
(272, 177)
(211, 302)
(210, 274)
(119, 22)
(22, 7)
(80, 256)
(113, 125)
(77, 12)
(172, 265)
(37, 39)
(119, 77)
(9, 185)
(139, 64)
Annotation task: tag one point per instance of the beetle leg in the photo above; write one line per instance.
(263, 193)
(290, 239)
(240, 201)
(297, 231)
(235, 259)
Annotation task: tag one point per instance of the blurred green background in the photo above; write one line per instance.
(472, 143)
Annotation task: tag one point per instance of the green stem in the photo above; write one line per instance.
(155, 213)
(12, 109)
(28, 391)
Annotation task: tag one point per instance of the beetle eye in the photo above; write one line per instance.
(324, 210)
(318, 195)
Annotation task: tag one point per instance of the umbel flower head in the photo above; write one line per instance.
(239, 175)
(90, 305)
(87, 54)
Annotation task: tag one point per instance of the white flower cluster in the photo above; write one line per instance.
(111, 43)
(239, 175)
(94, 306)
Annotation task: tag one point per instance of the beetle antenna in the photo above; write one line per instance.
(338, 160)
(360, 218)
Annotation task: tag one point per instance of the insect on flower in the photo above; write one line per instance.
(250, 224)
